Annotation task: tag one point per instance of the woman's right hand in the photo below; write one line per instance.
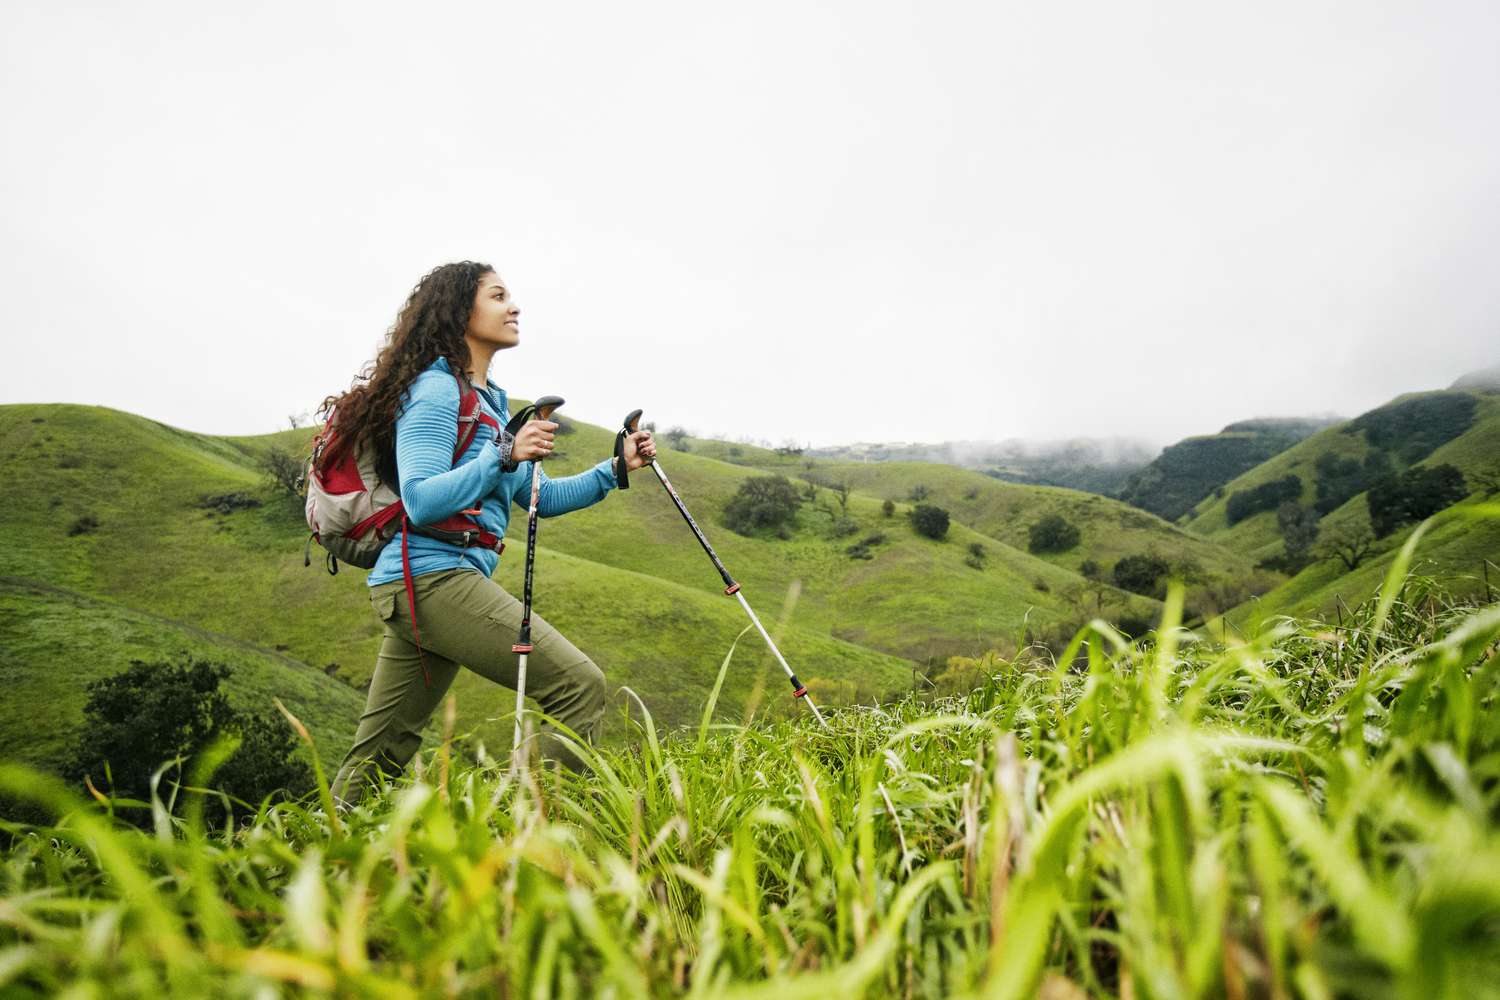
(533, 441)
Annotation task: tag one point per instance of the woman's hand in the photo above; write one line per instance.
(533, 441)
(639, 450)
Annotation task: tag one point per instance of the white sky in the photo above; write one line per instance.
(827, 222)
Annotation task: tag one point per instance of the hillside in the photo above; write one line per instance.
(1191, 469)
(57, 641)
(1333, 470)
(112, 508)
(1005, 512)
(1335, 466)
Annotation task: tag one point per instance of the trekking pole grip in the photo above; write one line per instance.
(629, 426)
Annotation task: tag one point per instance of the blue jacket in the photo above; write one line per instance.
(433, 487)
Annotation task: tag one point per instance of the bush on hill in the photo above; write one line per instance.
(1053, 533)
(930, 520)
(1299, 532)
(283, 470)
(1348, 543)
(1141, 573)
(1266, 496)
(1413, 495)
(1340, 478)
(762, 502)
(151, 712)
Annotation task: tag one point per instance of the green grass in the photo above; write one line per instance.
(57, 641)
(623, 579)
(1311, 814)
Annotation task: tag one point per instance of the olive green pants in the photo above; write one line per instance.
(463, 618)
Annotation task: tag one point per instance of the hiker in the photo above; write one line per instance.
(406, 409)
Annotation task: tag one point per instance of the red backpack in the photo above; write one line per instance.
(353, 514)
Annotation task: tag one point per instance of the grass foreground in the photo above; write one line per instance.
(1310, 813)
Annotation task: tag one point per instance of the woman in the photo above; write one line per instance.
(407, 408)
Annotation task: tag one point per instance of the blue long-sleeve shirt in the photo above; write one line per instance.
(434, 487)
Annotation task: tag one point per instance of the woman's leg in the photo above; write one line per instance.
(471, 619)
(399, 701)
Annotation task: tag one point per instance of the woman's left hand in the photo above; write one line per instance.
(639, 450)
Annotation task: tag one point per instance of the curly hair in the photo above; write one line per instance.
(431, 325)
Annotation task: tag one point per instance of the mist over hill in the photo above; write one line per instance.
(1094, 465)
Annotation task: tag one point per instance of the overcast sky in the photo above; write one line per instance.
(827, 222)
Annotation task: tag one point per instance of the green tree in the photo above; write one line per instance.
(762, 502)
(1053, 533)
(1266, 496)
(1141, 573)
(1413, 495)
(888, 507)
(1348, 543)
(1299, 532)
(930, 520)
(138, 719)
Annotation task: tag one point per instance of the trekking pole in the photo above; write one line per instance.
(632, 423)
(542, 408)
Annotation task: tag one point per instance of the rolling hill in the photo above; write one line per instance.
(1333, 470)
(1191, 469)
(126, 520)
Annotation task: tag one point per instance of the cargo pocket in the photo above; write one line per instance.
(384, 603)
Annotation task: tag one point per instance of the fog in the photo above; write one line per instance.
(826, 223)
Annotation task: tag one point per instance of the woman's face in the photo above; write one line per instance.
(495, 319)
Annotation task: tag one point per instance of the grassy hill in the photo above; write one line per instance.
(109, 507)
(1474, 447)
(56, 641)
(1462, 429)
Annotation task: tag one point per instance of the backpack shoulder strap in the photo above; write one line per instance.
(468, 417)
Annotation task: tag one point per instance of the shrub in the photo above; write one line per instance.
(1140, 574)
(929, 520)
(227, 503)
(1348, 543)
(283, 470)
(86, 524)
(677, 438)
(763, 502)
(1299, 531)
(151, 712)
(888, 507)
(919, 493)
(1412, 496)
(1090, 570)
(1266, 496)
(844, 527)
(1053, 533)
(976, 556)
(1340, 478)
